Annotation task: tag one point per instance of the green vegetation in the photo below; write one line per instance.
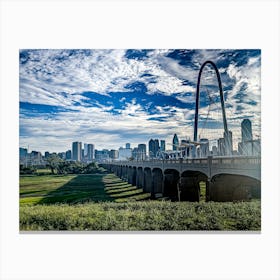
(73, 189)
(105, 202)
(56, 165)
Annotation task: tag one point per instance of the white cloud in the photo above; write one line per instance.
(46, 79)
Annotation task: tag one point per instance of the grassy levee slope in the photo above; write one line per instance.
(105, 202)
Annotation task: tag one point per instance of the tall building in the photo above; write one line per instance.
(23, 156)
(135, 153)
(153, 148)
(127, 145)
(142, 152)
(162, 145)
(68, 155)
(113, 154)
(246, 130)
(228, 143)
(175, 142)
(221, 147)
(248, 146)
(77, 151)
(85, 149)
(90, 152)
(36, 158)
(22, 153)
(47, 154)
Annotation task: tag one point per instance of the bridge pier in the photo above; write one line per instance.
(131, 175)
(207, 198)
(148, 180)
(171, 184)
(124, 173)
(158, 183)
(140, 178)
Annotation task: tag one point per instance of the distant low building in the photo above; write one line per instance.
(102, 156)
(113, 154)
(124, 153)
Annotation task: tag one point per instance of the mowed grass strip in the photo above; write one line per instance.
(73, 189)
(144, 215)
(62, 189)
(121, 191)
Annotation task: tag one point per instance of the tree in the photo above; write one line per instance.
(91, 168)
(53, 162)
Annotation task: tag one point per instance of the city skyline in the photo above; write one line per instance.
(111, 97)
(156, 149)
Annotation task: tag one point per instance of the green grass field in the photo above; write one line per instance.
(105, 202)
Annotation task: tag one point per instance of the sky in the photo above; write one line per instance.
(109, 97)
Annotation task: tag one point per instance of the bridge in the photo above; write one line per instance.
(227, 178)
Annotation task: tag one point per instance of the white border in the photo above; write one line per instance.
(131, 24)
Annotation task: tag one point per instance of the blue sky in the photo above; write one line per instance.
(111, 97)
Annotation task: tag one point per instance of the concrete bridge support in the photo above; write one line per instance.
(226, 187)
(158, 183)
(148, 180)
(171, 184)
(119, 171)
(124, 173)
(134, 174)
(131, 175)
(139, 178)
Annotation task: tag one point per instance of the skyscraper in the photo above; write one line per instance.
(221, 147)
(68, 155)
(248, 146)
(228, 143)
(246, 130)
(77, 151)
(90, 152)
(135, 153)
(22, 153)
(127, 145)
(142, 150)
(153, 148)
(85, 149)
(175, 142)
(162, 145)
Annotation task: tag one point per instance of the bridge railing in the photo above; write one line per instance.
(235, 160)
